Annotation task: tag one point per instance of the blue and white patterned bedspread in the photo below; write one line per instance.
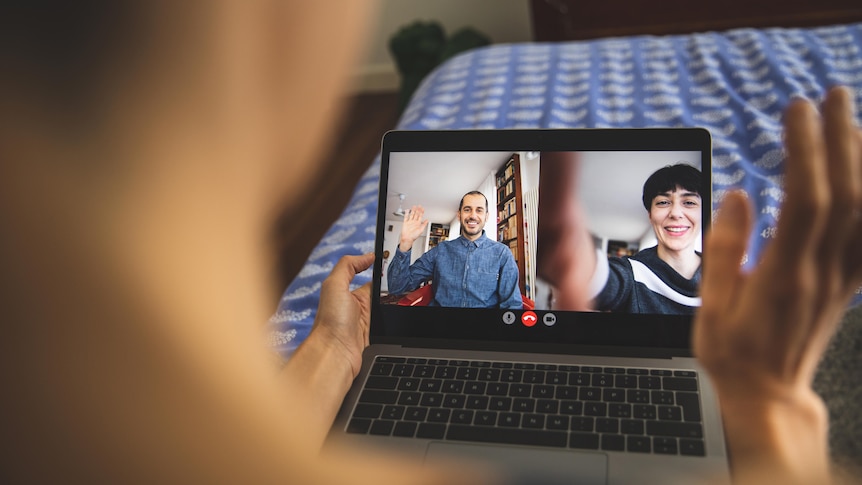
(736, 84)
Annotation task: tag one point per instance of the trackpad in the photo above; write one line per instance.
(518, 465)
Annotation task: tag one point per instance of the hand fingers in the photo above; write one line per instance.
(347, 268)
(845, 178)
(723, 252)
(806, 185)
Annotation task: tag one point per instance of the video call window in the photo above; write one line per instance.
(473, 255)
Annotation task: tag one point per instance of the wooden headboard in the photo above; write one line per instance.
(558, 20)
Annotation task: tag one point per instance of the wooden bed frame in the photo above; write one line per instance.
(560, 20)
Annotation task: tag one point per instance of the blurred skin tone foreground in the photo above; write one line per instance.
(145, 153)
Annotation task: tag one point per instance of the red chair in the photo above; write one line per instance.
(422, 297)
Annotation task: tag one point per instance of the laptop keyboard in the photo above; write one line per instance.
(565, 406)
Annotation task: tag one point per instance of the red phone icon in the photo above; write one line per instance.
(529, 318)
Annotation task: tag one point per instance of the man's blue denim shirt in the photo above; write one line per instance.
(466, 274)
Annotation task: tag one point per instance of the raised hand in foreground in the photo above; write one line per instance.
(761, 335)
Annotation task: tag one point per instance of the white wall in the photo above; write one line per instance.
(503, 21)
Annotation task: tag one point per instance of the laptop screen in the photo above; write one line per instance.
(564, 237)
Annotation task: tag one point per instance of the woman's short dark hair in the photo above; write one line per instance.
(667, 179)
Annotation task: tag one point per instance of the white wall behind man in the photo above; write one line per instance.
(504, 21)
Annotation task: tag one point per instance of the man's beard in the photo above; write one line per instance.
(466, 231)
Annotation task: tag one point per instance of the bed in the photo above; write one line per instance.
(735, 83)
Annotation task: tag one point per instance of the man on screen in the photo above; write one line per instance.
(471, 271)
(663, 279)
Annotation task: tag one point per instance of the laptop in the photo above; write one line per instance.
(539, 391)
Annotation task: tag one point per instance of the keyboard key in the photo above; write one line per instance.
(489, 375)
(511, 375)
(543, 391)
(534, 421)
(617, 410)
(603, 380)
(367, 411)
(546, 367)
(582, 424)
(520, 390)
(613, 442)
(477, 402)
(644, 411)
(640, 444)
(567, 392)
(547, 406)
(679, 384)
(665, 446)
(423, 371)
(524, 366)
(500, 404)
(390, 360)
(416, 360)
(454, 401)
(588, 441)
(626, 381)
(438, 415)
(393, 412)
(590, 394)
(447, 372)
(660, 372)
(595, 409)
(509, 420)
(452, 387)
(649, 382)
(461, 416)
(404, 429)
(431, 431)
(409, 398)
(403, 370)
(614, 395)
(480, 363)
(574, 408)
(381, 369)
(358, 425)
(569, 368)
(502, 365)
(431, 399)
(670, 413)
(556, 378)
(661, 397)
(414, 413)
(381, 427)
(690, 403)
(430, 385)
(590, 369)
(685, 373)
(632, 426)
(579, 379)
(637, 372)
(475, 387)
(614, 370)
(467, 373)
(523, 405)
(378, 396)
(607, 425)
(408, 384)
(506, 435)
(485, 418)
(498, 389)
(558, 422)
(534, 377)
(637, 396)
(670, 428)
(690, 447)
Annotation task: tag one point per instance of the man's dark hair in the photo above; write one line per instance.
(667, 179)
(472, 192)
